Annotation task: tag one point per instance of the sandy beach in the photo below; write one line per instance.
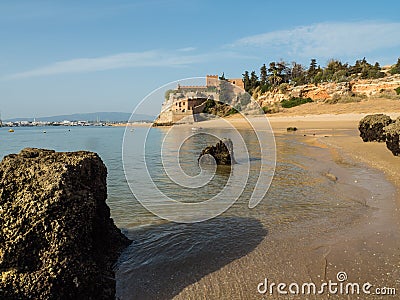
(364, 245)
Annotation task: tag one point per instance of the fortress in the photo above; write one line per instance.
(185, 102)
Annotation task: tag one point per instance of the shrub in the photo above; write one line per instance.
(232, 111)
(295, 101)
(283, 88)
(395, 68)
(351, 98)
(264, 88)
(397, 90)
(209, 104)
(266, 110)
(169, 92)
(335, 99)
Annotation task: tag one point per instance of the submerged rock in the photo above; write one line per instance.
(331, 176)
(392, 132)
(371, 127)
(57, 240)
(222, 153)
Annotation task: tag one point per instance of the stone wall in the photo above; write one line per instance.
(237, 81)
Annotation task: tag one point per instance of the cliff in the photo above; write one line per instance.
(57, 240)
(329, 90)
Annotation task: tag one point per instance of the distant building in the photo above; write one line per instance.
(187, 101)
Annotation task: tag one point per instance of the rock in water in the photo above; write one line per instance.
(222, 152)
(57, 240)
(393, 137)
(371, 127)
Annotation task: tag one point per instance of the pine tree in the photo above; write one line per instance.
(297, 74)
(253, 80)
(263, 74)
(312, 70)
(274, 76)
(246, 81)
(396, 68)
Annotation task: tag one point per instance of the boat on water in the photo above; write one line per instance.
(11, 130)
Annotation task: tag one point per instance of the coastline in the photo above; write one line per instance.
(365, 246)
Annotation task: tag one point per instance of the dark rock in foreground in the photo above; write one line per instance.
(392, 132)
(371, 127)
(57, 240)
(222, 153)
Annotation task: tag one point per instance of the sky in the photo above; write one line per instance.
(62, 57)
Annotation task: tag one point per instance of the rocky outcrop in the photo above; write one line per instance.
(392, 132)
(57, 240)
(371, 127)
(372, 87)
(222, 152)
(330, 90)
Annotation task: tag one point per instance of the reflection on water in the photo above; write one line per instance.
(164, 259)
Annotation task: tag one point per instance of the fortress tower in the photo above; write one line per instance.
(212, 80)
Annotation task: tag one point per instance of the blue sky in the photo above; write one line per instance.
(61, 57)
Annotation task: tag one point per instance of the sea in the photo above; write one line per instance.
(299, 194)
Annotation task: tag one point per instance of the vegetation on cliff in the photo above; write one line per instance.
(281, 72)
(295, 101)
(396, 68)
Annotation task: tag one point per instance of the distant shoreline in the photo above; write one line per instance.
(133, 124)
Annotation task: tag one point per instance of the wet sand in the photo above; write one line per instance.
(364, 245)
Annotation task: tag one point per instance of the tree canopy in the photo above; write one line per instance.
(275, 73)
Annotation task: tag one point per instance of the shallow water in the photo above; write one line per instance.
(299, 190)
(166, 257)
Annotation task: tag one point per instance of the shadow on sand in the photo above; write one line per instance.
(164, 259)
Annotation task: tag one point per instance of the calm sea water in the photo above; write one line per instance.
(299, 189)
(301, 196)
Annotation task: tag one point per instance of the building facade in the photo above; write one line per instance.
(187, 101)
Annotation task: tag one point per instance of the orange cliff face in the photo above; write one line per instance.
(375, 86)
(327, 90)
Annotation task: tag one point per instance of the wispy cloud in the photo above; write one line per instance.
(117, 61)
(187, 49)
(323, 40)
(153, 58)
(327, 39)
